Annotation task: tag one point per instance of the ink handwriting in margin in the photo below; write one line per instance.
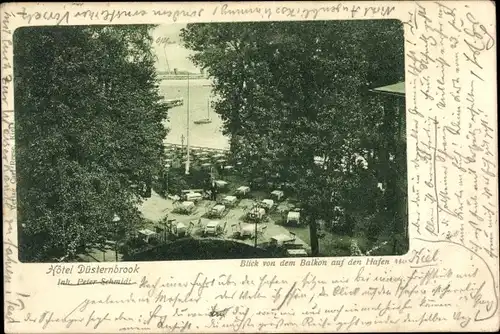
(491, 310)
(66, 17)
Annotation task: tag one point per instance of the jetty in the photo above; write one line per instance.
(197, 148)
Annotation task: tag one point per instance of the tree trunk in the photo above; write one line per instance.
(313, 231)
(149, 185)
(385, 163)
(401, 194)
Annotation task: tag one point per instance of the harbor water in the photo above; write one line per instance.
(204, 135)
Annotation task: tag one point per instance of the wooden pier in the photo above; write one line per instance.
(197, 148)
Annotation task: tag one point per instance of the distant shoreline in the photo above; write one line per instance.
(183, 82)
(181, 76)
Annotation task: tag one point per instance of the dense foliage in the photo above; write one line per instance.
(291, 92)
(203, 249)
(89, 135)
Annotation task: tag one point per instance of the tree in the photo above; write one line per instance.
(89, 134)
(302, 93)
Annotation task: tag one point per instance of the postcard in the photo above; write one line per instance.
(218, 167)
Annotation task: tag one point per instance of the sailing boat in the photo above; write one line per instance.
(205, 120)
(174, 102)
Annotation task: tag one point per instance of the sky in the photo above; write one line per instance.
(176, 54)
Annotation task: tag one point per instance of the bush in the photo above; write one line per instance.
(201, 249)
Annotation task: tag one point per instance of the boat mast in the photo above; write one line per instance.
(166, 58)
(187, 134)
